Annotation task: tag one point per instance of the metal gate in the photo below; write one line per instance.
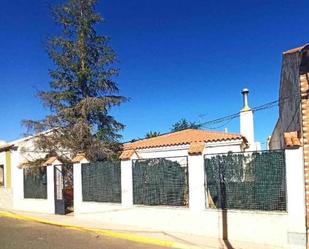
(63, 179)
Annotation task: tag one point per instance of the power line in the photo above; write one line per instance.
(229, 118)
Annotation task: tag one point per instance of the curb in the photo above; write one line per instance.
(118, 235)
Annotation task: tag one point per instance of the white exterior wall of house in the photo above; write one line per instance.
(3, 162)
(5, 191)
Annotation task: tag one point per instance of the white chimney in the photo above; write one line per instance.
(246, 121)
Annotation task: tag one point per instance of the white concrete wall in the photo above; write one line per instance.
(26, 204)
(3, 162)
(5, 192)
(196, 183)
(278, 229)
(268, 228)
(6, 198)
(126, 184)
(195, 167)
(296, 224)
(77, 187)
(81, 206)
(6, 171)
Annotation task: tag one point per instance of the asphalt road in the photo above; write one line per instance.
(16, 234)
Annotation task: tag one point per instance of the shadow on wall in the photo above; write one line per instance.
(224, 218)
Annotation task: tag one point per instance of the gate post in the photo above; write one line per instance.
(295, 197)
(77, 189)
(126, 183)
(196, 183)
(77, 161)
(50, 188)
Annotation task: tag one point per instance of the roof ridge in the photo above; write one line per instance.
(221, 132)
(193, 135)
(297, 49)
(161, 135)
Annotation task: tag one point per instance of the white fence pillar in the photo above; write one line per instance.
(126, 184)
(295, 198)
(77, 183)
(196, 183)
(17, 178)
(50, 188)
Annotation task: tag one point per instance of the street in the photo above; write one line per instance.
(16, 234)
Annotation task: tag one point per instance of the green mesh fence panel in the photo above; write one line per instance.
(160, 181)
(254, 181)
(101, 182)
(35, 183)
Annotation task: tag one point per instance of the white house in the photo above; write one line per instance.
(13, 156)
(178, 198)
(5, 176)
(190, 142)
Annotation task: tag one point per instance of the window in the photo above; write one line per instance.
(1, 175)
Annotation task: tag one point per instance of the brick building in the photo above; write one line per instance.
(292, 128)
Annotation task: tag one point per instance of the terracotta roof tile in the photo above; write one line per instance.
(196, 148)
(50, 161)
(23, 164)
(6, 147)
(79, 157)
(295, 50)
(182, 137)
(126, 154)
(291, 139)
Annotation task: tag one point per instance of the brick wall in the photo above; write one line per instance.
(294, 108)
(305, 136)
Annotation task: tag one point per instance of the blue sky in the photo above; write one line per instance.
(177, 59)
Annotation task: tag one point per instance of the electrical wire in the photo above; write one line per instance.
(227, 119)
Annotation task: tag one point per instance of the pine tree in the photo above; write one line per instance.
(151, 134)
(184, 124)
(82, 89)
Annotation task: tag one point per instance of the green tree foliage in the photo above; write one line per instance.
(82, 90)
(151, 134)
(183, 124)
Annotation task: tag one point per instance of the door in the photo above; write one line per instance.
(59, 185)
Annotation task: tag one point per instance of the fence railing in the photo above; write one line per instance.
(35, 183)
(101, 182)
(247, 180)
(161, 181)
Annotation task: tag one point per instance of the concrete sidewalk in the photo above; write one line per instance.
(91, 223)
